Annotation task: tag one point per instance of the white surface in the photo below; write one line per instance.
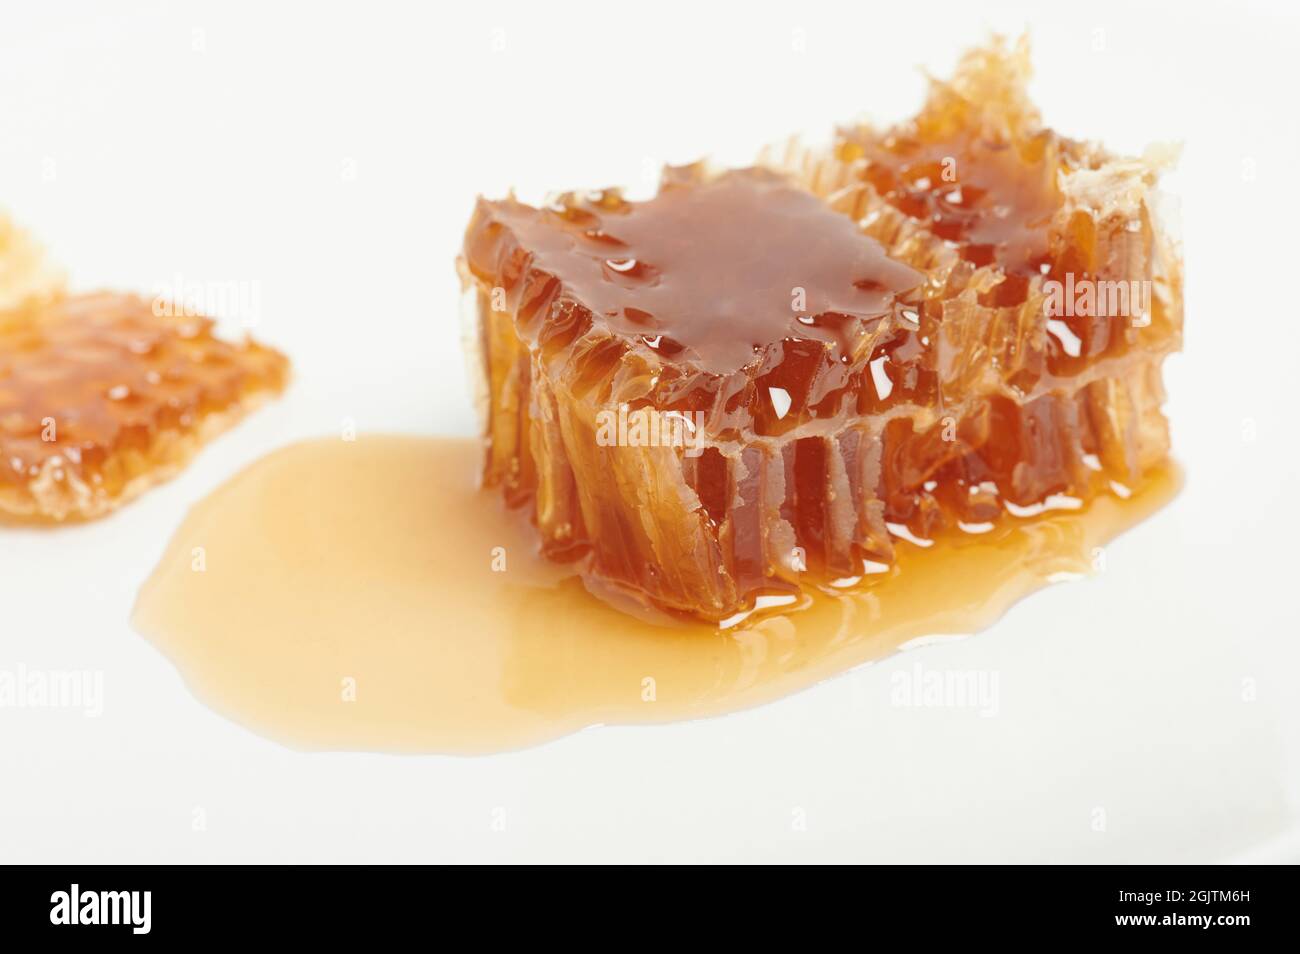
(230, 162)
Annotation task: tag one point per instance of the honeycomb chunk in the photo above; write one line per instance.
(997, 210)
(762, 379)
(100, 398)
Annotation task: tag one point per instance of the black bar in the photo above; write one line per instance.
(1172, 905)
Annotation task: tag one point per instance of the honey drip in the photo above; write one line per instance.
(368, 596)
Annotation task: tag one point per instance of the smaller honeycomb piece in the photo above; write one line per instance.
(101, 398)
(26, 274)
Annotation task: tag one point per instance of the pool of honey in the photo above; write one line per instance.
(365, 595)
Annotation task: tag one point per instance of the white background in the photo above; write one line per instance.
(330, 154)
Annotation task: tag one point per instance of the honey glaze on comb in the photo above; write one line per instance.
(710, 273)
(368, 596)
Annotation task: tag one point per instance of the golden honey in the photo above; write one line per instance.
(368, 596)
